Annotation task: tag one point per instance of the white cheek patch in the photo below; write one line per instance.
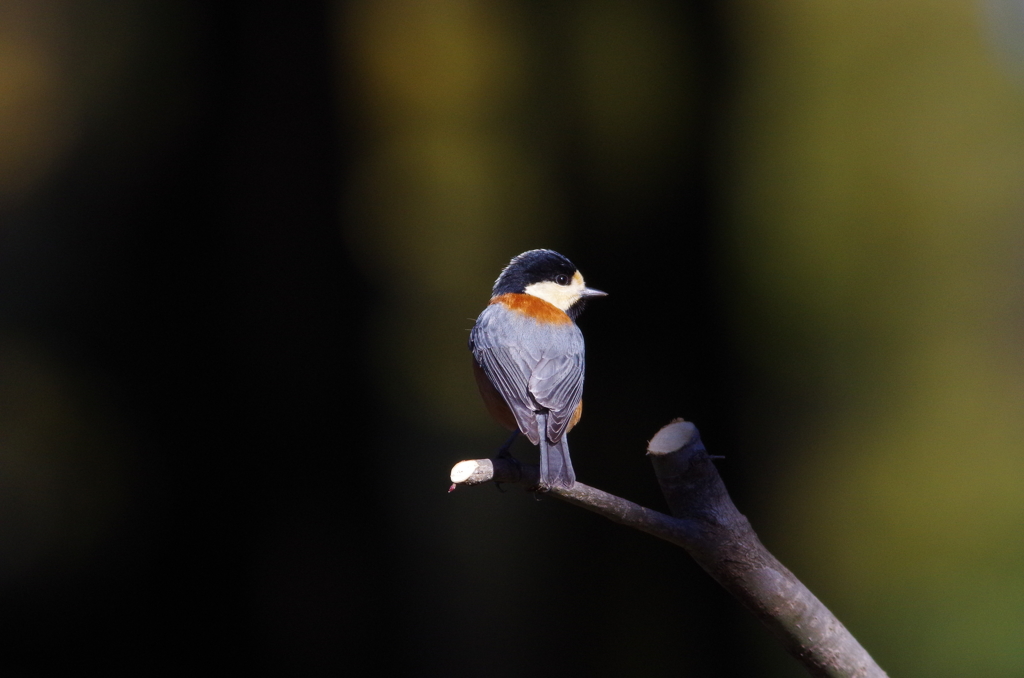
(559, 296)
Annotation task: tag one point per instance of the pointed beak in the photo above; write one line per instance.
(590, 292)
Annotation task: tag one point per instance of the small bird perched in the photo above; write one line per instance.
(528, 356)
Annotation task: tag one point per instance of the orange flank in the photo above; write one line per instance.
(532, 306)
(575, 417)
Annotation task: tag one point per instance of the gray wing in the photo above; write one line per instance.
(492, 341)
(533, 366)
(557, 381)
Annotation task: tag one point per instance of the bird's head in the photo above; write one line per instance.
(548, 275)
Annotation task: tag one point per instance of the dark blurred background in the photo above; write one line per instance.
(242, 244)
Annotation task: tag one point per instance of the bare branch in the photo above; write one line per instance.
(708, 525)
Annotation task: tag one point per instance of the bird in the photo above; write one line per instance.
(528, 357)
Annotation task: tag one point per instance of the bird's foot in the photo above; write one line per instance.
(504, 452)
(507, 456)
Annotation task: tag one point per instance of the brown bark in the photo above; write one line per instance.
(708, 525)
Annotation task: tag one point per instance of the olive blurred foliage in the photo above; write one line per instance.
(830, 194)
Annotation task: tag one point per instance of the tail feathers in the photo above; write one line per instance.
(555, 465)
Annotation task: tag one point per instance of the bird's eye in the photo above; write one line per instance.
(562, 279)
